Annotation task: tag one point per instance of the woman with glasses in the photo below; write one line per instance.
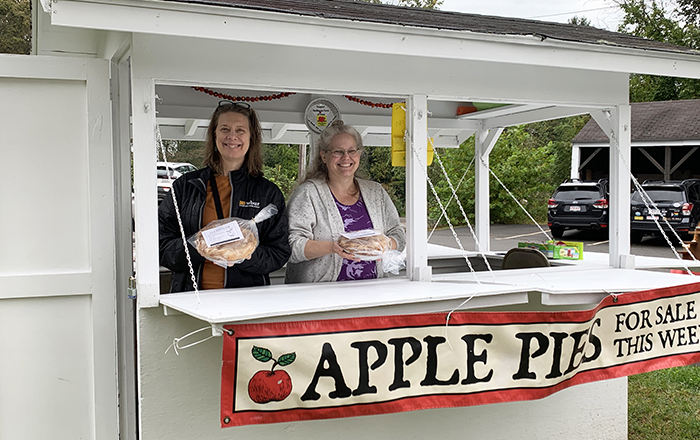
(231, 184)
(331, 201)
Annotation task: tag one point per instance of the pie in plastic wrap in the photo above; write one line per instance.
(365, 248)
(228, 252)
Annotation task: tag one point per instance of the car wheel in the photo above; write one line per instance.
(557, 232)
(636, 237)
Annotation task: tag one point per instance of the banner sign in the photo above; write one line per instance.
(291, 371)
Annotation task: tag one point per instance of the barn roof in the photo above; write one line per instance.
(362, 11)
(653, 121)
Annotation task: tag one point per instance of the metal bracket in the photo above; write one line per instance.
(131, 288)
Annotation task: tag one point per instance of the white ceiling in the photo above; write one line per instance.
(183, 114)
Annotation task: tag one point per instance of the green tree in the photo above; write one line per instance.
(675, 23)
(424, 4)
(376, 165)
(15, 26)
(282, 166)
(530, 160)
(183, 151)
(689, 10)
(580, 21)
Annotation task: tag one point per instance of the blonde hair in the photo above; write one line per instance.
(320, 170)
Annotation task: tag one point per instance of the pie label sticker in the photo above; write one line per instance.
(360, 234)
(223, 234)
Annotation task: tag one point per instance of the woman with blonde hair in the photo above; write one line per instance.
(332, 201)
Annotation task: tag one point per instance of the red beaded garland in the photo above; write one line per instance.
(367, 103)
(280, 96)
(243, 98)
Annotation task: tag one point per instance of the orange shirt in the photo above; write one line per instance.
(213, 276)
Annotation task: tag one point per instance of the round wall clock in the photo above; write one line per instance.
(319, 114)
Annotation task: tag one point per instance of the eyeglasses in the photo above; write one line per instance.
(231, 104)
(340, 153)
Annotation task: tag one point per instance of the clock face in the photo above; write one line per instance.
(320, 113)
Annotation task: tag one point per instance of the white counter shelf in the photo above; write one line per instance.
(566, 285)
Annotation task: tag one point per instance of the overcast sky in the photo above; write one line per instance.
(603, 14)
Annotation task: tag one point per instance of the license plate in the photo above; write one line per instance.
(574, 208)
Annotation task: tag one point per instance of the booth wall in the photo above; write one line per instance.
(57, 315)
(180, 400)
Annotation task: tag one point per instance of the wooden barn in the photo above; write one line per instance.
(665, 143)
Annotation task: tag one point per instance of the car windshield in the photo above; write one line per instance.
(569, 193)
(162, 174)
(182, 169)
(660, 195)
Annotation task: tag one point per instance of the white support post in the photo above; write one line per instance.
(484, 143)
(313, 149)
(575, 162)
(145, 200)
(302, 163)
(620, 160)
(126, 328)
(417, 268)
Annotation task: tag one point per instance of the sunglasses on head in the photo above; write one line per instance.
(230, 104)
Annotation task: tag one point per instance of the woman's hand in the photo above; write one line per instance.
(342, 252)
(317, 248)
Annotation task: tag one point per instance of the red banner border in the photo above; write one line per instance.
(300, 328)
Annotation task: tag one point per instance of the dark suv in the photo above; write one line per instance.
(677, 201)
(578, 205)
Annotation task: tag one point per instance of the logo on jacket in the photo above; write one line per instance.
(248, 204)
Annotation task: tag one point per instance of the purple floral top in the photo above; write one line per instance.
(356, 218)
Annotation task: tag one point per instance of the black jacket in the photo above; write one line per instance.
(249, 195)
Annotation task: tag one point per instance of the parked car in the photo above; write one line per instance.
(167, 173)
(676, 201)
(578, 205)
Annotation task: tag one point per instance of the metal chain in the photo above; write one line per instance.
(461, 209)
(516, 200)
(159, 141)
(648, 200)
(646, 197)
(459, 184)
(407, 139)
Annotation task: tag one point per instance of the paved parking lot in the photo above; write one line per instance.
(504, 237)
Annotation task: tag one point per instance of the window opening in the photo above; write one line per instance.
(459, 184)
(461, 209)
(159, 145)
(444, 211)
(648, 203)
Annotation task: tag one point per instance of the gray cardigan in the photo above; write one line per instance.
(313, 215)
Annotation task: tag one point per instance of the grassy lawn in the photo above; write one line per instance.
(665, 404)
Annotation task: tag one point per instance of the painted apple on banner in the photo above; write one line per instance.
(270, 386)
